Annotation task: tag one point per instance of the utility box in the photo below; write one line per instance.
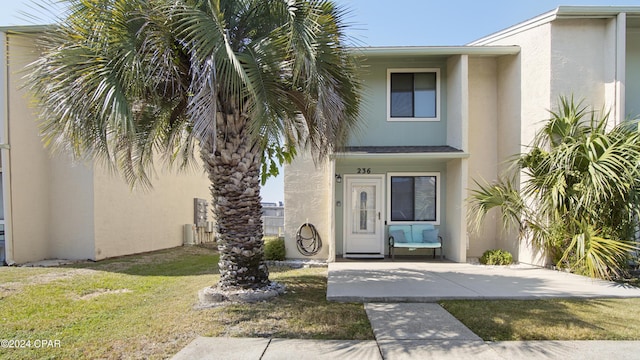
(200, 212)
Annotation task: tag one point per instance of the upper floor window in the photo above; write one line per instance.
(413, 94)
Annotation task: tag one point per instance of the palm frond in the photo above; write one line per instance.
(502, 195)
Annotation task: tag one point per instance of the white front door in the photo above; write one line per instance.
(364, 230)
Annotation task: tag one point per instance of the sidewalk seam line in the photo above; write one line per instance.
(265, 348)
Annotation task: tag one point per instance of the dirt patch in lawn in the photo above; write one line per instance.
(49, 277)
(99, 292)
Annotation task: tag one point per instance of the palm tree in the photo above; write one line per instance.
(247, 82)
(579, 200)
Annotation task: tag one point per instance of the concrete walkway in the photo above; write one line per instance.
(407, 331)
(399, 300)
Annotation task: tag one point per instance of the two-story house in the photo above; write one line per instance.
(436, 118)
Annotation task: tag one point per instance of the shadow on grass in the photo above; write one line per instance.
(180, 261)
(563, 319)
(302, 312)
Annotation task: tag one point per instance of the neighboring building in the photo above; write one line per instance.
(53, 208)
(437, 117)
(273, 218)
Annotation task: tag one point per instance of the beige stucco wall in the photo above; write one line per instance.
(307, 198)
(483, 142)
(509, 107)
(457, 103)
(62, 209)
(580, 58)
(632, 83)
(455, 231)
(562, 58)
(30, 166)
(524, 93)
(71, 231)
(132, 221)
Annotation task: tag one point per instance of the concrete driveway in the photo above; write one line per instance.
(385, 281)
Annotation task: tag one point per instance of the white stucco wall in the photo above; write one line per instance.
(308, 198)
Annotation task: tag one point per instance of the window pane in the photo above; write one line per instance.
(413, 198)
(402, 95)
(402, 198)
(425, 198)
(425, 94)
(363, 210)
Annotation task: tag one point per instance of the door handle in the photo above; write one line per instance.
(378, 215)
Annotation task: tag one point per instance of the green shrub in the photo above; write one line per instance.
(496, 257)
(274, 248)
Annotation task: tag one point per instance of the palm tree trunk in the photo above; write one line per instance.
(233, 166)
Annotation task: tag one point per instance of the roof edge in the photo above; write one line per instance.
(561, 12)
(25, 29)
(517, 28)
(436, 50)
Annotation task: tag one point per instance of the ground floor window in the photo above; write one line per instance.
(413, 197)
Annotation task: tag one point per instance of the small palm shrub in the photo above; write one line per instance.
(496, 257)
(274, 249)
(574, 195)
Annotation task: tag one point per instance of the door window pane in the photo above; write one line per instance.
(363, 200)
(363, 210)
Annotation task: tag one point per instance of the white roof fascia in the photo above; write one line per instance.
(518, 28)
(436, 50)
(596, 11)
(25, 29)
(562, 12)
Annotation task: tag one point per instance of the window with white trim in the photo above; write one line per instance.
(413, 94)
(414, 197)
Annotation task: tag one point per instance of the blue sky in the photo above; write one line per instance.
(401, 22)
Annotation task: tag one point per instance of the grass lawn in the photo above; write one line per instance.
(142, 307)
(593, 319)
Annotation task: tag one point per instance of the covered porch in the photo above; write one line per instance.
(381, 186)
